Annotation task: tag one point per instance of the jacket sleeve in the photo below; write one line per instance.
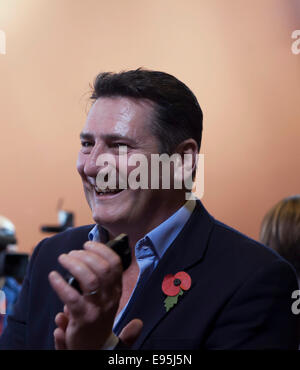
(14, 335)
(259, 315)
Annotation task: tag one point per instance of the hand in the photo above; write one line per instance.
(128, 335)
(87, 320)
(131, 332)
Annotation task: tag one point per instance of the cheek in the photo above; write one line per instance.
(80, 164)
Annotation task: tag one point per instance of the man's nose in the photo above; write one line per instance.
(91, 168)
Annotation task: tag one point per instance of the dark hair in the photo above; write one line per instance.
(280, 230)
(178, 115)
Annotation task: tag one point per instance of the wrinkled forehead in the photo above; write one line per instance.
(119, 115)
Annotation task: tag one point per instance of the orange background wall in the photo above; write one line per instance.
(235, 55)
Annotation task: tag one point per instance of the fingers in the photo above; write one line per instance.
(66, 293)
(105, 252)
(98, 265)
(59, 339)
(93, 267)
(66, 311)
(96, 268)
(82, 272)
(131, 332)
(61, 320)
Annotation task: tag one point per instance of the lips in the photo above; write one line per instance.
(106, 192)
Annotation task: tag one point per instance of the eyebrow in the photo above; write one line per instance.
(86, 136)
(107, 137)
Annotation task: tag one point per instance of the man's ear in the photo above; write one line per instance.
(188, 150)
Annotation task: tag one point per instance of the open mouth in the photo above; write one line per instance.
(107, 192)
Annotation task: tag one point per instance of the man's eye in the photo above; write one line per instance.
(120, 145)
(86, 144)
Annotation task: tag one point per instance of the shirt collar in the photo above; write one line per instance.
(165, 233)
(98, 234)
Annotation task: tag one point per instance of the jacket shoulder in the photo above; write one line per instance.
(63, 242)
(241, 251)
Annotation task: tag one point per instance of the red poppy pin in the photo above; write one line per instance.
(173, 286)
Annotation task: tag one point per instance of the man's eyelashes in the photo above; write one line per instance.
(86, 144)
(115, 145)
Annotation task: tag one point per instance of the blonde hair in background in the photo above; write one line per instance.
(280, 229)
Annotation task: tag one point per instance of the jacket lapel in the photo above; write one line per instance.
(186, 251)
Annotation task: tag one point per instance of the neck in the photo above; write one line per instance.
(154, 217)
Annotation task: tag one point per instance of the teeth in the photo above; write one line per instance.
(105, 191)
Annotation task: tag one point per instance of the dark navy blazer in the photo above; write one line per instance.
(240, 297)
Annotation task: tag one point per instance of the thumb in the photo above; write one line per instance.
(131, 332)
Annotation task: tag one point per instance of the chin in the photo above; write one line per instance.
(112, 209)
(107, 217)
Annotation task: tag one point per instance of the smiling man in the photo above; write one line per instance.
(112, 123)
(193, 282)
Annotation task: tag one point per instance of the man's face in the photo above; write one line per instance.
(113, 123)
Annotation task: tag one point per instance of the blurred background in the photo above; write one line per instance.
(236, 56)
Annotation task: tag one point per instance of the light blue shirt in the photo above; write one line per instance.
(150, 249)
